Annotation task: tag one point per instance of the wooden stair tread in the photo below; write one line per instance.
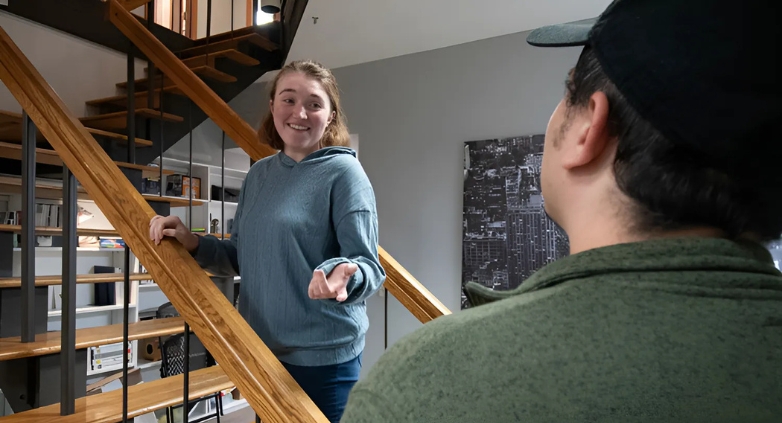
(141, 98)
(226, 35)
(41, 230)
(174, 201)
(140, 142)
(204, 71)
(49, 342)
(142, 398)
(230, 54)
(53, 190)
(119, 120)
(228, 43)
(42, 155)
(213, 74)
(16, 282)
(11, 130)
(145, 168)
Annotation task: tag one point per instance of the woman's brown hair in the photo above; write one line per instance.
(336, 133)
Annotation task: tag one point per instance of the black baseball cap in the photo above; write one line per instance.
(705, 73)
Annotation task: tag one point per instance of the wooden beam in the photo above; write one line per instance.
(268, 387)
(49, 342)
(142, 398)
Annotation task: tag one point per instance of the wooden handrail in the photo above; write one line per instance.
(269, 388)
(399, 282)
(411, 293)
(196, 89)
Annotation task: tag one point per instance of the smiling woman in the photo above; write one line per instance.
(304, 239)
(304, 111)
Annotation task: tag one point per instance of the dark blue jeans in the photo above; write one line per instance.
(328, 386)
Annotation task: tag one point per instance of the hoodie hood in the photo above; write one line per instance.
(318, 156)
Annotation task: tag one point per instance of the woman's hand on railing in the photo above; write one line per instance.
(171, 226)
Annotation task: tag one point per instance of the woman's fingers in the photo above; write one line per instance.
(163, 226)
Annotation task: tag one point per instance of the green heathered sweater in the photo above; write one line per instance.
(669, 331)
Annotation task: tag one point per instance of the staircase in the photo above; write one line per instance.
(181, 89)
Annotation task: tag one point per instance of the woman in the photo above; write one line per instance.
(304, 239)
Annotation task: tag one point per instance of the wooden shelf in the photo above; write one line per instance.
(40, 230)
(53, 190)
(16, 282)
(142, 398)
(119, 120)
(49, 342)
(51, 157)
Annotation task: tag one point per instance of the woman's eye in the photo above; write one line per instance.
(288, 100)
(316, 106)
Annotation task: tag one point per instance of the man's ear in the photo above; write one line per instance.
(590, 131)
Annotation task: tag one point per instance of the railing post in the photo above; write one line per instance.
(68, 323)
(28, 229)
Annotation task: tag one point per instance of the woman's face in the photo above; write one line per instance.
(302, 112)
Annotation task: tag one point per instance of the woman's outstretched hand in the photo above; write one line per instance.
(333, 286)
(171, 226)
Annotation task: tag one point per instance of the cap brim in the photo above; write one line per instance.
(562, 35)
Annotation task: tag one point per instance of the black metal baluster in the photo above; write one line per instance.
(132, 159)
(222, 197)
(125, 333)
(150, 66)
(131, 105)
(190, 168)
(186, 374)
(28, 228)
(208, 28)
(68, 323)
(161, 141)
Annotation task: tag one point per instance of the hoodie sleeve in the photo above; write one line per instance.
(354, 215)
(220, 256)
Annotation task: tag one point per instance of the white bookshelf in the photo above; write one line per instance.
(144, 297)
(210, 175)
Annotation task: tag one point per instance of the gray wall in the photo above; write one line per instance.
(413, 114)
(78, 70)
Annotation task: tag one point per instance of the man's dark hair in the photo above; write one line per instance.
(672, 186)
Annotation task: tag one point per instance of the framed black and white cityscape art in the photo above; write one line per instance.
(507, 235)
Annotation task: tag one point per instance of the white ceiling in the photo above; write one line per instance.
(349, 32)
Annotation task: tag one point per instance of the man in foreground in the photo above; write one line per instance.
(661, 165)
